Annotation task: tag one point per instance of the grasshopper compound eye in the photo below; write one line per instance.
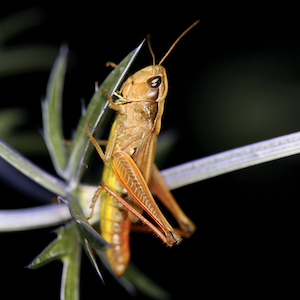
(154, 82)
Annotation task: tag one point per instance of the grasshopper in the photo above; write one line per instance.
(130, 172)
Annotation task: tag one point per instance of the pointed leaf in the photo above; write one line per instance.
(10, 119)
(133, 279)
(32, 171)
(94, 113)
(144, 284)
(18, 22)
(124, 282)
(52, 113)
(86, 230)
(92, 258)
(67, 248)
(28, 58)
(66, 240)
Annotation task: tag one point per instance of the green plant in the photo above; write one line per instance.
(69, 163)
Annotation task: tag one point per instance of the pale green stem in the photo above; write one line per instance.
(175, 177)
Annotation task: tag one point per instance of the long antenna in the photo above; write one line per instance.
(150, 48)
(177, 40)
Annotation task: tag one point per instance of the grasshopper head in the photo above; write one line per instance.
(147, 84)
(150, 83)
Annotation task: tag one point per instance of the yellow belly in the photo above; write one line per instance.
(114, 223)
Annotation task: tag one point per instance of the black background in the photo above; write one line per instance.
(247, 241)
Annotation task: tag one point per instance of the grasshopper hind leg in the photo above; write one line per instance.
(158, 186)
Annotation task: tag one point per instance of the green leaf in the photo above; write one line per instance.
(232, 160)
(18, 22)
(80, 143)
(92, 258)
(24, 59)
(32, 171)
(10, 119)
(124, 282)
(28, 142)
(144, 284)
(133, 279)
(86, 231)
(65, 242)
(52, 113)
(67, 248)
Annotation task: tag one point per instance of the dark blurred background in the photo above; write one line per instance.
(234, 80)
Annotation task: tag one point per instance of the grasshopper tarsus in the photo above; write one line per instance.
(111, 64)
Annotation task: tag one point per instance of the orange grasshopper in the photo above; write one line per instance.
(130, 170)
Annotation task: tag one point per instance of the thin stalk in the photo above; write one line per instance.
(175, 177)
(232, 160)
(31, 170)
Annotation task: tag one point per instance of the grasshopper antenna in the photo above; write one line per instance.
(150, 49)
(177, 40)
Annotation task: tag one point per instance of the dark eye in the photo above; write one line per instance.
(154, 82)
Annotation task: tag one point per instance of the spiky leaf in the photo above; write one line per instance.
(94, 113)
(52, 113)
(63, 245)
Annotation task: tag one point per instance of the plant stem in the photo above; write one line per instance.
(231, 160)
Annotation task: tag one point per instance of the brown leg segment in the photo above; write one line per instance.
(94, 200)
(159, 188)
